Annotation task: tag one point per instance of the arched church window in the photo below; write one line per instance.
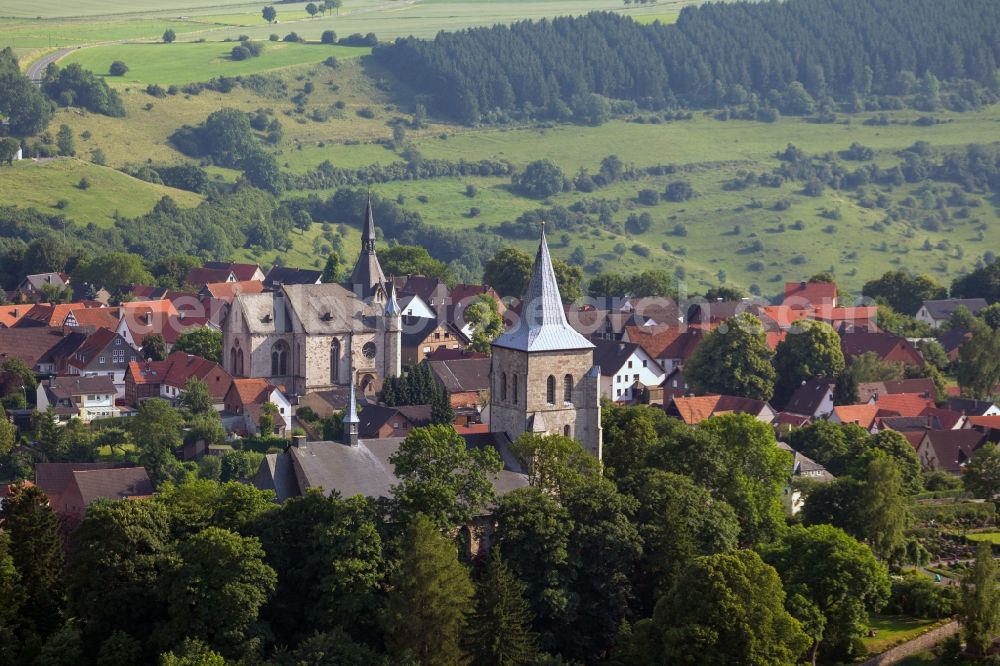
(513, 390)
(334, 361)
(279, 358)
(568, 388)
(550, 390)
(503, 386)
(567, 432)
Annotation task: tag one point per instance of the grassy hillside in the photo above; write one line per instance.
(44, 185)
(181, 63)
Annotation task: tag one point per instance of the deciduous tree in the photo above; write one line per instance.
(734, 359)
(811, 349)
(202, 341)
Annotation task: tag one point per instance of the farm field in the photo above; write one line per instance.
(179, 63)
(21, 33)
(42, 185)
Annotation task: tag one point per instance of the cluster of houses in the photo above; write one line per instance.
(294, 342)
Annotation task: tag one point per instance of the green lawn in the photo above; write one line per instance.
(339, 154)
(180, 63)
(74, 8)
(991, 537)
(895, 629)
(41, 186)
(21, 33)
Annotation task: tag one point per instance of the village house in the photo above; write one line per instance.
(31, 287)
(168, 378)
(923, 386)
(240, 272)
(86, 398)
(622, 365)
(84, 487)
(244, 402)
(948, 450)
(466, 378)
(803, 467)
(971, 407)
(888, 347)
(380, 422)
(810, 295)
(936, 313)
(695, 409)
(11, 314)
(862, 415)
(102, 353)
(421, 337)
(814, 398)
(54, 479)
(280, 276)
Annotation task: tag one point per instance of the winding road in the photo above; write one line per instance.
(36, 70)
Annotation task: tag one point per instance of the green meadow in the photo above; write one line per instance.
(54, 187)
(186, 62)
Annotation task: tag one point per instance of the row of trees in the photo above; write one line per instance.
(787, 53)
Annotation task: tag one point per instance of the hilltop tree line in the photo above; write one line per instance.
(784, 55)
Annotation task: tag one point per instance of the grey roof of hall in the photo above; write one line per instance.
(462, 374)
(319, 308)
(360, 470)
(542, 325)
(943, 308)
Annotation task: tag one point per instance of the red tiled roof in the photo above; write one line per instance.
(96, 317)
(227, 291)
(10, 314)
(810, 294)
(905, 404)
(948, 418)
(203, 276)
(863, 415)
(252, 390)
(695, 409)
(985, 421)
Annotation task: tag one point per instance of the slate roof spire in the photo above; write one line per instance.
(367, 276)
(542, 325)
(392, 308)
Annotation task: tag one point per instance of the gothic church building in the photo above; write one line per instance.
(319, 336)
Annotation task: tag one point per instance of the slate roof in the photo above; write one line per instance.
(242, 272)
(66, 386)
(942, 309)
(373, 417)
(363, 469)
(461, 375)
(54, 478)
(611, 355)
(954, 447)
(34, 345)
(415, 330)
(92, 347)
(809, 396)
(284, 275)
(114, 483)
(805, 466)
(430, 290)
(948, 418)
(38, 280)
(910, 423)
(542, 325)
(965, 405)
(320, 308)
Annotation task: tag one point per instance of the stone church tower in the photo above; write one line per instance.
(542, 374)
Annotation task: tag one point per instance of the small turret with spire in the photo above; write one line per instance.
(351, 420)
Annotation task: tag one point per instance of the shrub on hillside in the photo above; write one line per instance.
(118, 68)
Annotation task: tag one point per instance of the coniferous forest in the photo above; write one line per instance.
(789, 55)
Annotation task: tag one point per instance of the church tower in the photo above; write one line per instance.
(367, 279)
(393, 317)
(542, 374)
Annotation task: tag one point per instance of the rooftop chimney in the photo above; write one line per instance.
(299, 441)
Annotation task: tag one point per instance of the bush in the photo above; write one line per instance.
(328, 37)
(118, 68)
(649, 197)
(331, 62)
(240, 53)
(155, 90)
(169, 36)
(916, 596)
(274, 37)
(366, 112)
(474, 212)
(292, 37)
(84, 184)
(679, 190)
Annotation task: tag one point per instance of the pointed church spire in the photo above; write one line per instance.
(367, 276)
(368, 228)
(543, 325)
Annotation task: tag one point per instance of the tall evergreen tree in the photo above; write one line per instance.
(429, 598)
(14, 595)
(980, 609)
(37, 551)
(499, 629)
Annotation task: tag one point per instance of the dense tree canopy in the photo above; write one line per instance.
(785, 54)
(811, 349)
